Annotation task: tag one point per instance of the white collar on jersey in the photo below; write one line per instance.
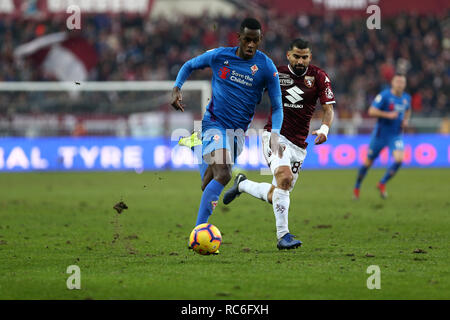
(289, 67)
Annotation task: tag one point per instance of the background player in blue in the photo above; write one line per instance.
(392, 107)
(240, 75)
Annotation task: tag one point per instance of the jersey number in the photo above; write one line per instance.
(296, 166)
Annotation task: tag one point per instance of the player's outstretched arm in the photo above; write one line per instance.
(200, 62)
(327, 120)
(375, 112)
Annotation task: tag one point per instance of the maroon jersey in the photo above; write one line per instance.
(300, 94)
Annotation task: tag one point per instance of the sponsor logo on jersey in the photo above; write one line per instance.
(293, 105)
(283, 75)
(294, 94)
(309, 81)
(223, 72)
(244, 79)
(399, 107)
(286, 82)
(254, 69)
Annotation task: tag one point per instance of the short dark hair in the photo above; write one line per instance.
(250, 23)
(299, 43)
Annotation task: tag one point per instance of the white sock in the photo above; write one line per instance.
(258, 190)
(280, 203)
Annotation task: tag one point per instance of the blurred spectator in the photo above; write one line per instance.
(79, 130)
(359, 61)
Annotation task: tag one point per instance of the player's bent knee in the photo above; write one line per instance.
(398, 156)
(284, 177)
(368, 162)
(222, 173)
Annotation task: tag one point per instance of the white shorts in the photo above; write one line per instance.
(293, 156)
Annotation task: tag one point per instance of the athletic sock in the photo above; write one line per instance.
(361, 174)
(280, 203)
(209, 200)
(391, 171)
(258, 190)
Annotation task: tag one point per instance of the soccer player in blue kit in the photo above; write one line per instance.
(240, 75)
(392, 107)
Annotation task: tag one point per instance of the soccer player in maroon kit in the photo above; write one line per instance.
(301, 85)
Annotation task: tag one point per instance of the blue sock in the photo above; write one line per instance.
(391, 172)
(361, 174)
(209, 200)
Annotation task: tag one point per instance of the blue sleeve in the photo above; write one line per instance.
(202, 61)
(273, 86)
(379, 100)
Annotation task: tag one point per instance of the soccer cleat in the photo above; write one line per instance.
(234, 192)
(356, 194)
(382, 188)
(191, 141)
(288, 242)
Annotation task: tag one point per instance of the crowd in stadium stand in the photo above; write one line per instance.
(359, 61)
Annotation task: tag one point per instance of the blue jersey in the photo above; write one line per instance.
(387, 101)
(237, 86)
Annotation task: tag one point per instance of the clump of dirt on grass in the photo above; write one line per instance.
(323, 226)
(125, 241)
(120, 206)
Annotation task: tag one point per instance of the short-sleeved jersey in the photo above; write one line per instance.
(387, 101)
(300, 94)
(237, 85)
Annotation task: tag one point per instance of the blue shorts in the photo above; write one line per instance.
(378, 143)
(215, 136)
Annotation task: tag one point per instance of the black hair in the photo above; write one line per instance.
(250, 23)
(299, 43)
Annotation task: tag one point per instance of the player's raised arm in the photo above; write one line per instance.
(199, 62)
(327, 101)
(273, 87)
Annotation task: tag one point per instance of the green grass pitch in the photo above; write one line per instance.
(49, 221)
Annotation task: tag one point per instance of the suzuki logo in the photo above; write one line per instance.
(295, 94)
